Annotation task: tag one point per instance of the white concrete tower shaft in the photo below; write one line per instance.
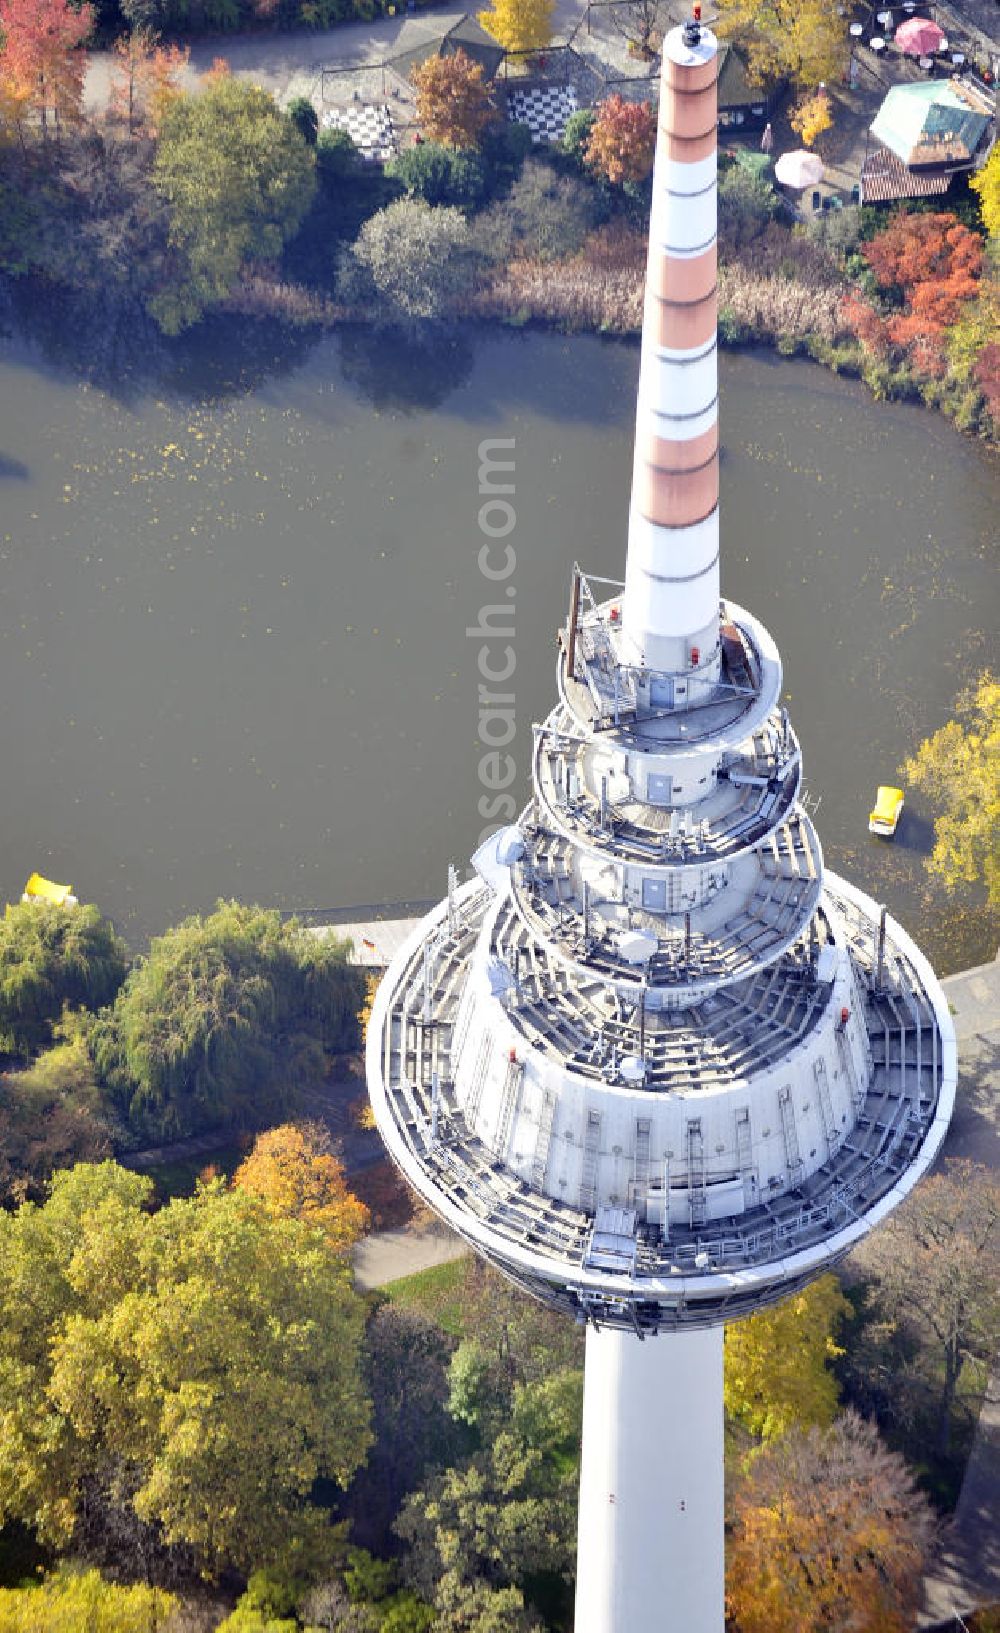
(670, 609)
(652, 1499)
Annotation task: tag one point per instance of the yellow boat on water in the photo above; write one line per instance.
(884, 819)
(39, 889)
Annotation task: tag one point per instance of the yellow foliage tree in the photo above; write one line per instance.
(987, 184)
(520, 25)
(959, 771)
(831, 1536)
(777, 1370)
(811, 117)
(292, 1170)
(801, 40)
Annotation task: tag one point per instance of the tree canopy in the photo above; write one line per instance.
(52, 958)
(622, 140)
(227, 1020)
(41, 65)
(420, 260)
(520, 25)
(68, 1600)
(958, 768)
(801, 40)
(239, 178)
(199, 1365)
(777, 1362)
(986, 182)
(934, 1267)
(453, 100)
(293, 1171)
(831, 1536)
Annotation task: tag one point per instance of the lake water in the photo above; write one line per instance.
(233, 604)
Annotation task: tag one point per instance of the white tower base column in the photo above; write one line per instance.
(650, 1548)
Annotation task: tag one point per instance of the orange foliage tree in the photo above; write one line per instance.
(831, 1536)
(41, 65)
(929, 266)
(296, 1175)
(453, 102)
(144, 78)
(622, 140)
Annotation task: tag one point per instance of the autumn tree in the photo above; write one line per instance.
(622, 140)
(777, 1362)
(198, 1367)
(228, 1019)
(69, 1599)
(800, 40)
(52, 958)
(42, 66)
(145, 78)
(238, 178)
(812, 116)
(453, 102)
(831, 1535)
(294, 1172)
(520, 25)
(927, 267)
(958, 768)
(986, 182)
(934, 1270)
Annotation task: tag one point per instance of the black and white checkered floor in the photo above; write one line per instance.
(544, 109)
(369, 125)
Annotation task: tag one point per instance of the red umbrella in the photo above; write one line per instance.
(919, 37)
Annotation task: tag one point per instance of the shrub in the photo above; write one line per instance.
(576, 136)
(746, 204)
(417, 260)
(305, 119)
(440, 175)
(545, 216)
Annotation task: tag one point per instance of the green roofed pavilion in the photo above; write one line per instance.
(935, 123)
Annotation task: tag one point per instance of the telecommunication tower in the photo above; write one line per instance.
(652, 1060)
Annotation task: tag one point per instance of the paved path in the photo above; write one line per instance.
(290, 64)
(967, 1571)
(388, 1255)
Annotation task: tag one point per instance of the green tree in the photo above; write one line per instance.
(302, 112)
(576, 136)
(958, 768)
(440, 175)
(69, 1601)
(52, 958)
(228, 1019)
(203, 1362)
(51, 1115)
(419, 261)
(239, 178)
(777, 1363)
(545, 216)
(507, 1517)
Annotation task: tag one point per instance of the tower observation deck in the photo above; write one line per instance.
(653, 1060)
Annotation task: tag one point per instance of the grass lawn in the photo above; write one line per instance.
(437, 1293)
